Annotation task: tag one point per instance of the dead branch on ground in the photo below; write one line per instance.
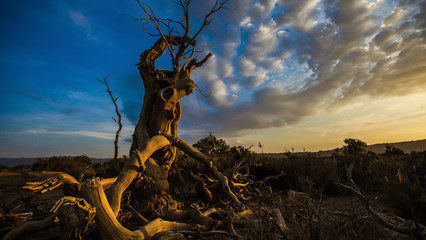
(414, 229)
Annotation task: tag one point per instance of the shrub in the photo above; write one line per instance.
(71, 165)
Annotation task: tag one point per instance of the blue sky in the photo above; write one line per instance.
(287, 73)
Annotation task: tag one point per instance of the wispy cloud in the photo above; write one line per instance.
(101, 135)
(38, 97)
(83, 22)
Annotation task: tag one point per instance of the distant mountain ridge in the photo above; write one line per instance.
(407, 147)
(12, 162)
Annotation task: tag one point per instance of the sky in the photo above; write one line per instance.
(289, 74)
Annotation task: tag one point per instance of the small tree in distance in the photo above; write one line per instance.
(212, 145)
(116, 120)
(354, 146)
(391, 150)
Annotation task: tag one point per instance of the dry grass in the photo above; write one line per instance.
(316, 208)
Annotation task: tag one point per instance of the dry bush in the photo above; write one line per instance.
(71, 165)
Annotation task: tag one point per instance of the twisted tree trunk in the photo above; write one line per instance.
(161, 110)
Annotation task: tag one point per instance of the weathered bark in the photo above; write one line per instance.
(139, 162)
(107, 222)
(72, 186)
(75, 215)
(161, 110)
(52, 183)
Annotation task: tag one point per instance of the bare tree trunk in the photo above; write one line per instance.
(118, 120)
(161, 110)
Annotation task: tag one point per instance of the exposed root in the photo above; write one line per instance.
(141, 219)
(194, 153)
(107, 222)
(195, 214)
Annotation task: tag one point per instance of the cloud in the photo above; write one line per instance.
(101, 135)
(292, 59)
(41, 98)
(83, 22)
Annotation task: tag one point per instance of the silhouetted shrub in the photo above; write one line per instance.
(71, 165)
(211, 145)
(23, 167)
(391, 150)
(308, 173)
(110, 168)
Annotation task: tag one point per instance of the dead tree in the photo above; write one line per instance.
(118, 120)
(154, 147)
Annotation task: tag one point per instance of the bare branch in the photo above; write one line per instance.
(217, 6)
(185, 40)
(156, 21)
(188, 149)
(366, 201)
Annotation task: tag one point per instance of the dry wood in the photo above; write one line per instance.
(194, 153)
(279, 221)
(416, 231)
(132, 169)
(52, 183)
(75, 215)
(107, 222)
(60, 180)
(118, 120)
(16, 217)
(195, 214)
(31, 227)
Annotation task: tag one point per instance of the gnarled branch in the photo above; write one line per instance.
(194, 153)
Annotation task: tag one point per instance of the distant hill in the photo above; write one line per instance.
(407, 147)
(12, 162)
